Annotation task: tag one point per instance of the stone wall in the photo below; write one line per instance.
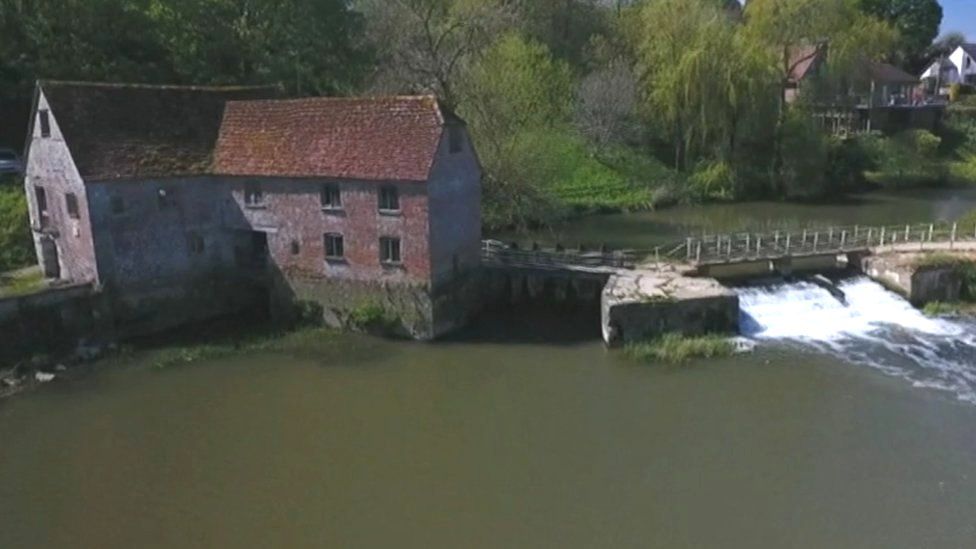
(920, 285)
(52, 320)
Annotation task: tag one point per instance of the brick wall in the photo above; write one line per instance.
(292, 213)
(50, 166)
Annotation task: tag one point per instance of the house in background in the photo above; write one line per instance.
(879, 96)
(959, 67)
(186, 203)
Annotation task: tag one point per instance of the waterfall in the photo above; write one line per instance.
(875, 328)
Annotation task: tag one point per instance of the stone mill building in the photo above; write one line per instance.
(184, 203)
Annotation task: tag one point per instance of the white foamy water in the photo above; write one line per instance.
(875, 327)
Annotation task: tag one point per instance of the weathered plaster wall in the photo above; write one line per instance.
(49, 165)
(455, 209)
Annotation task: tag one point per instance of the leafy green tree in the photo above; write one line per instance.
(309, 46)
(683, 51)
(917, 21)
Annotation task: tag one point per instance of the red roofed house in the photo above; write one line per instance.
(191, 201)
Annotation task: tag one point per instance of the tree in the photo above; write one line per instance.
(917, 21)
(424, 45)
(795, 31)
(682, 47)
(309, 46)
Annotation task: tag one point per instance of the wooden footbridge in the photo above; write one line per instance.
(742, 247)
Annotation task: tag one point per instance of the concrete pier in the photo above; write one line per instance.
(653, 301)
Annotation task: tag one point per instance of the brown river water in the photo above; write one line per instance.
(521, 432)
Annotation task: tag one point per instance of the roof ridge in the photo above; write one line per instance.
(139, 85)
(339, 98)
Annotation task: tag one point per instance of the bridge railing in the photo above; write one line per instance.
(498, 253)
(744, 246)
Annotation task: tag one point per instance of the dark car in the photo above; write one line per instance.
(10, 163)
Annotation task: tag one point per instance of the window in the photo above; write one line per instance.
(45, 121)
(253, 195)
(117, 205)
(331, 197)
(455, 138)
(165, 197)
(41, 195)
(389, 250)
(71, 204)
(334, 247)
(195, 243)
(295, 248)
(389, 199)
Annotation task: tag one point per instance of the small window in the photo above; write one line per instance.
(71, 205)
(41, 195)
(455, 139)
(334, 247)
(253, 195)
(389, 199)
(295, 248)
(331, 197)
(45, 121)
(166, 197)
(390, 250)
(118, 205)
(195, 243)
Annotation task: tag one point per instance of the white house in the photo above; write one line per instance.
(957, 67)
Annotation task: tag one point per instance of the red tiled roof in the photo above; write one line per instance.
(374, 139)
(132, 131)
(802, 59)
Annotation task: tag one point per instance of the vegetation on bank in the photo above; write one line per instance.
(24, 281)
(311, 341)
(16, 247)
(676, 348)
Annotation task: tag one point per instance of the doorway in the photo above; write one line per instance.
(50, 262)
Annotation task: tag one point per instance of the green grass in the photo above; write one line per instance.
(677, 349)
(21, 282)
(939, 308)
(311, 342)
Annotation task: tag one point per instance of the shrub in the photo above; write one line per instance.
(372, 317)
(675, 348)
(712, 181)
(804, 156)
(16, 246)
(907, 158)
(958, 91)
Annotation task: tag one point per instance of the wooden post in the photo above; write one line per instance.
(657, 254)
(931, 231)
(729, 254)
(908, 233)
(855, 232)
(698, 252)
(952, 238)
(830, 237)
(816, 240)
(882, 237)
(843, 240)
(759, 244)
(688, 249)
(748, 242)
(776, 244)
(789, 237)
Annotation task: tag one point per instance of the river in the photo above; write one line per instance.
(517, 433)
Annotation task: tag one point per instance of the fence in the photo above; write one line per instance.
(497, 253)
(738, 247)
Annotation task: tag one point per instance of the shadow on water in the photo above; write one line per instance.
(534, 324)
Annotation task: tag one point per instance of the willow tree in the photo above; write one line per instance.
(683, 60)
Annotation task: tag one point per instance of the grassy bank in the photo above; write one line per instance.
(677, 349)
(16, 248)
(312, 342)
